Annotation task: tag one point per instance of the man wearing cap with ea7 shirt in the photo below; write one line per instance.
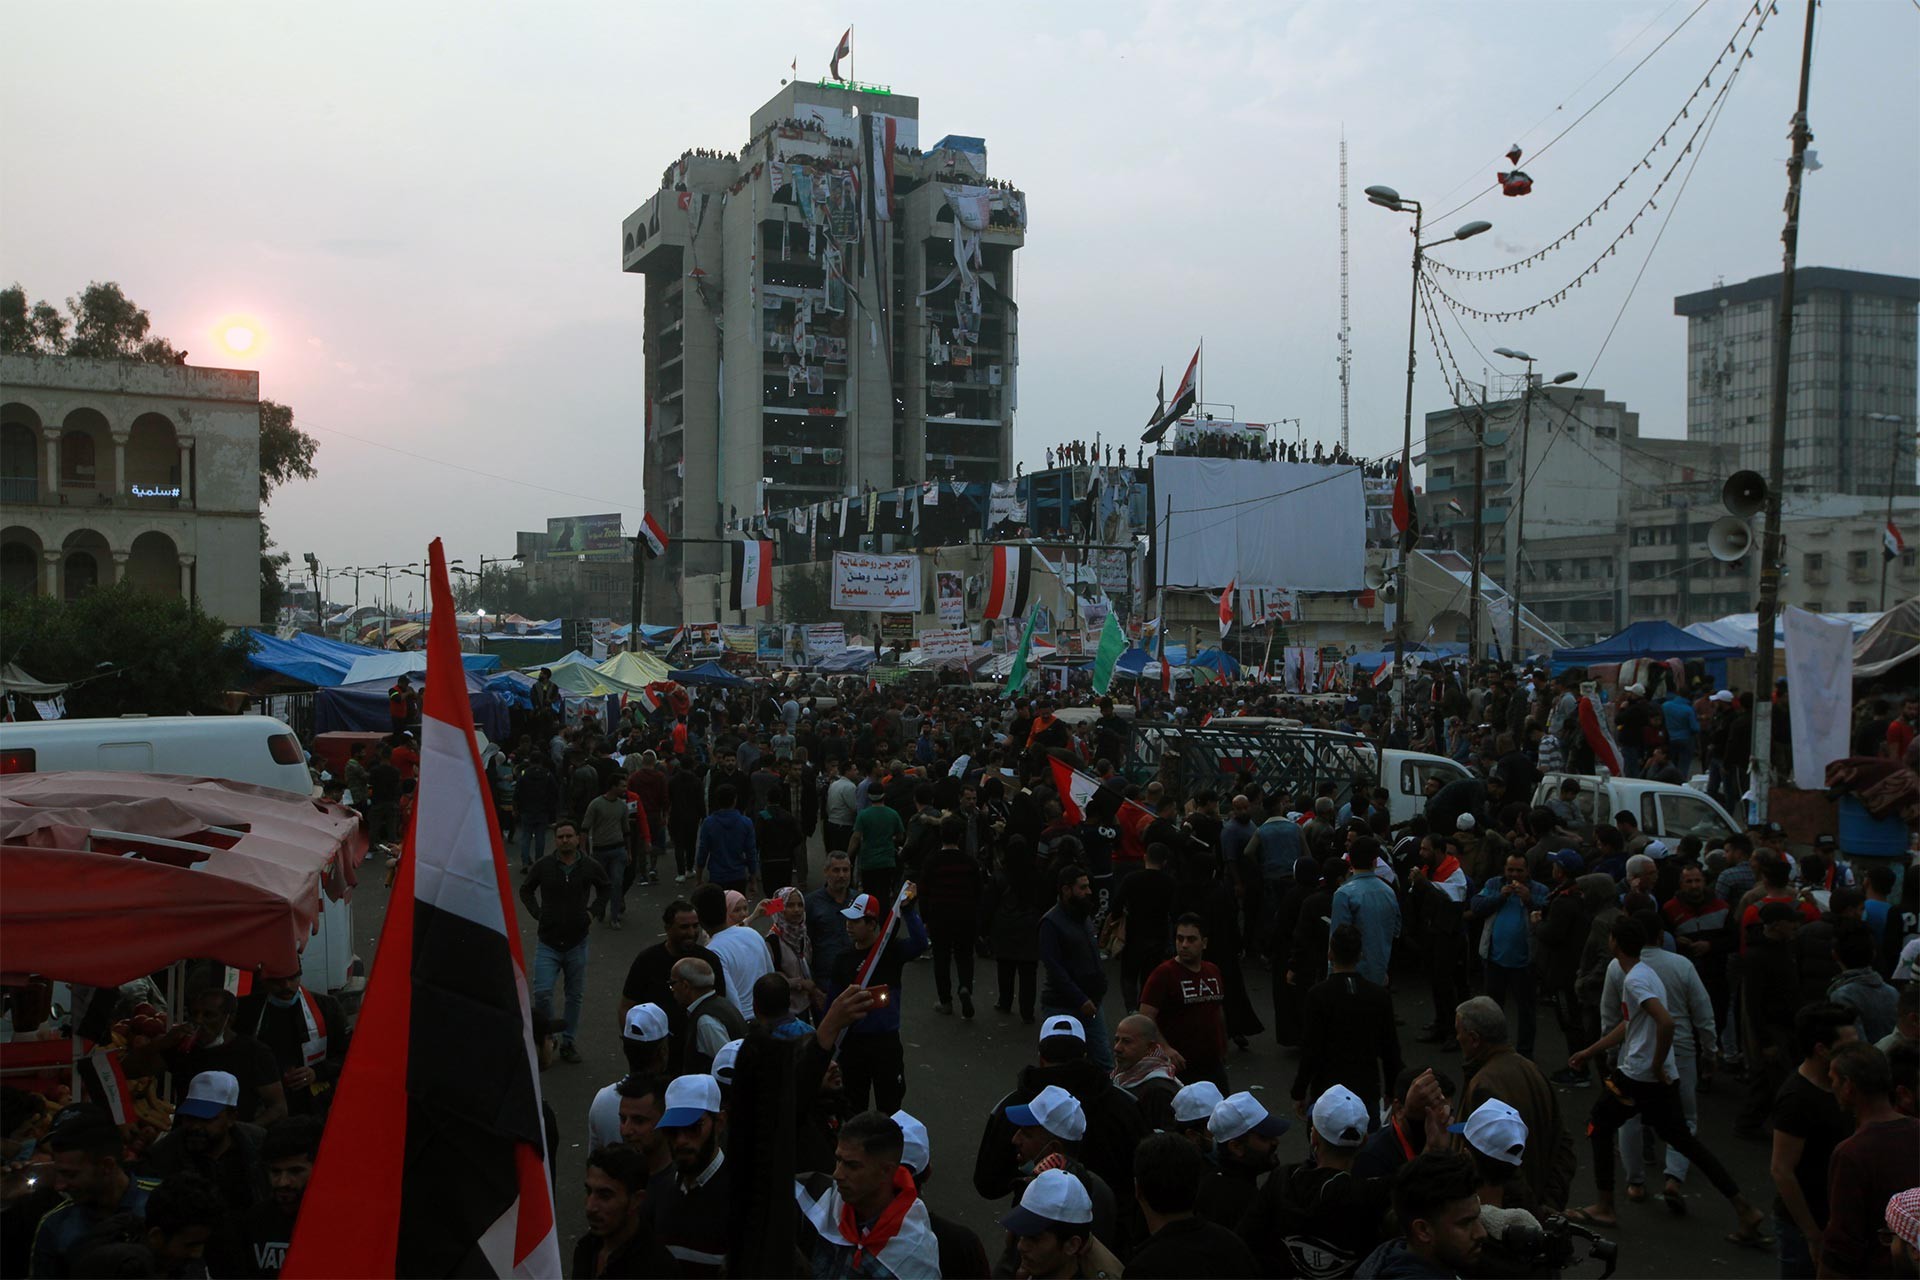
(871, 1059)
(1053, 1231)
(1246, 1137)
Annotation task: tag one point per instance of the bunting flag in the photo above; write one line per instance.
(752, 586)
(1892, 544)
(436, 1118)
(1183, 400)
(842, 50)
(1226, 610)
(1113, 643)
(1017, 675)
(1405, 518)
(654, 536)
(1008, 584)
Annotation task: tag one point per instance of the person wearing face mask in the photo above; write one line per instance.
(307, 1034)
(209, 1043)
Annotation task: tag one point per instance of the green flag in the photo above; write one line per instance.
(1113, 643)
(1017, 677)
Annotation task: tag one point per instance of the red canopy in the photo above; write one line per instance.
(76, 905)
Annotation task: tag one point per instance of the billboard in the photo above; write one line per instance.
(595, 537)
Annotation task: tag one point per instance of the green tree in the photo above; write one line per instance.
(108, 325)
(36, 330)
(499, 590)
(286, 453)
(803, 594)
(125, 651)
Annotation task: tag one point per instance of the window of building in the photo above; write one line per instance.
(1816, 606)
(1856, 606)
(1813, 562)
(1856, 559)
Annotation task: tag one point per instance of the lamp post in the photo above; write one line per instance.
(1519, 516)
(1388, 198)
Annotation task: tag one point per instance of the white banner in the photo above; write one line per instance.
(949, 597)
(864, 583)
(1233, 521)
(1004, 505)
(947, 645)
(1820, 673)
(823, 639)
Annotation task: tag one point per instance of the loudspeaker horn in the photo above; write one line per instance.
(1744, 493)
(1376, 577)
(1729, 538)
(1389, 593)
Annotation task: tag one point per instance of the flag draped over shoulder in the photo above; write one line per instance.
(434, 1160)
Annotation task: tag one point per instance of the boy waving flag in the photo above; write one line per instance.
(434, 1160)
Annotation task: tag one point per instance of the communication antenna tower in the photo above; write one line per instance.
(1346, 346)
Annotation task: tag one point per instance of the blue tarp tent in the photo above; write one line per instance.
(710, 673)
(363, 708)
(1216, 660)
(845, 662)
(1657, 640)
(324, 663)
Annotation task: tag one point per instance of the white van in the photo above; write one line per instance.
(256, 749)
(260, 750)
(1664, 809)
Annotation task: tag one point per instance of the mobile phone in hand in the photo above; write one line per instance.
(881, 992)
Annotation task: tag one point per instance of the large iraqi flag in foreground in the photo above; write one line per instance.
(434, 1160)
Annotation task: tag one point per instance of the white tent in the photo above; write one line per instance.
(1742, 630)
(385, 666)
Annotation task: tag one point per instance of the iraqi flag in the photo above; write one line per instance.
(1008, 583)
(1597, 727)
(434, 1159)
(752, 575)
(1891, 543)
(1226, 611)
(842, 50)
(103, 1081)
(1183, 398)
(1405, 518)
(654, 536)
(1079, 799)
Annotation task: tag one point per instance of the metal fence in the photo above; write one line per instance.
(1248, 759)
(294, 709)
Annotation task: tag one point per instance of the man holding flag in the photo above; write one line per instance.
(871, 1057)
(437, 1119)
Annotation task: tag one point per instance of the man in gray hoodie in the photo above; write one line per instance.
(1859, 985)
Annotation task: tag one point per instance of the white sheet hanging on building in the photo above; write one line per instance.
(1820, 676)
(1277, 522)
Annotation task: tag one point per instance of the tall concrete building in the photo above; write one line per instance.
(825, 313)
(1851, 378)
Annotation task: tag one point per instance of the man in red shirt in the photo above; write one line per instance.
(405, 758)
(1865, 1170)
(1185, 998)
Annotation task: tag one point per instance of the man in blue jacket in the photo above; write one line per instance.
(1366, 902)
(1683, 728)
(726, 852)
(1506, 941)
(1075, 977)
(871, 1057)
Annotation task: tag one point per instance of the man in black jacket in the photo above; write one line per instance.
(556, 893)
(1349, 1032)
(1166, 1175)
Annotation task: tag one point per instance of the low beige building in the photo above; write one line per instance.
(117, 471)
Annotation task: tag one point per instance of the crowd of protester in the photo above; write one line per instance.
(1582, 975)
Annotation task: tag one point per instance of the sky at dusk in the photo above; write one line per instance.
(417, 207)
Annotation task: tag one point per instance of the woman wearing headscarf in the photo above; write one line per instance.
(791, 948)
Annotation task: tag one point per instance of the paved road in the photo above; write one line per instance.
(957, 1071)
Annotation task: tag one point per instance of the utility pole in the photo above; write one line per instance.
(1519, 521)
(1479, 532)
(1771, 550)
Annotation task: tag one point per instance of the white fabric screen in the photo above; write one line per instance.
(1271, 524)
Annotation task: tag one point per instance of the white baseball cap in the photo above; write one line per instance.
(1052, 1109)
(1055, 1198)
(1722, 695)
(723, 1061)
(1464, 822)
(1495, 1130)
(210, 1093)
(689, 1098)
(1340, 1118)
(1657, 849)
(646, 1023)
(1063, 1024)
(916, 1151)
(1241, 1114)
(1196, 1102)
(864, 907)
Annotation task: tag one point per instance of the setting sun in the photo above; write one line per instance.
(239, 338)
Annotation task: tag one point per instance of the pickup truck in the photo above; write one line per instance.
(1247, 752)
(1664, 809)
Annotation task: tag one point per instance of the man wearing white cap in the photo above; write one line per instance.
(1246, 1137)
(691, 1200)
(869, 1221)
(643, 1038)
(1046, 1132)
(1316, 1218)
(961, 1253)
(872, 1062)
(1112, 1121)
(209, 1139)
(1192, 1112)
(1053, 1231)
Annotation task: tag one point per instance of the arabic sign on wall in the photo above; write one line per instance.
(823, 639)
(947, 645)
(595, 537)
(866, 583)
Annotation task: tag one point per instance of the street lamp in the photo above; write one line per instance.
(1519, 516)
(1390, 199)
